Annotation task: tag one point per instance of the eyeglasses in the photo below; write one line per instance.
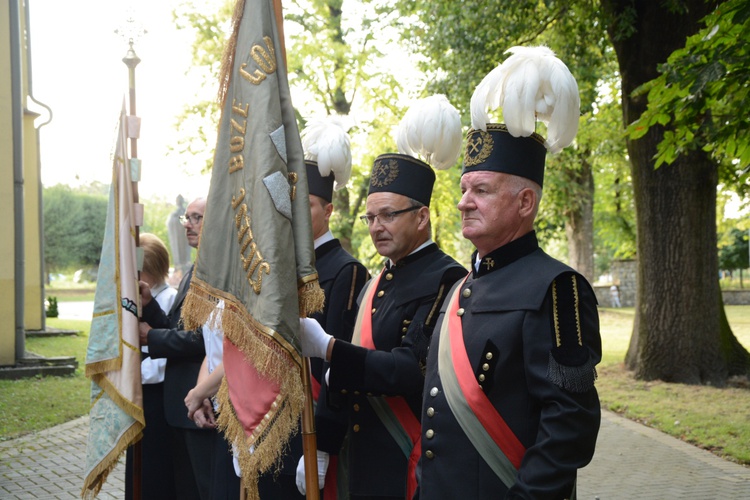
(192, 219)
(385, 217)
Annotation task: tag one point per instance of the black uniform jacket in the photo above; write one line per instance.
(536, 369)
(183, 349)
(341, 277)
(404, 310)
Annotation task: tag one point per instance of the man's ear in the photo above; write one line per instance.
(526, 202)
(424, 217)
(328, 211)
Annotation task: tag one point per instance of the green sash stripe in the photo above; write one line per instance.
(392, 424)
(477, 434)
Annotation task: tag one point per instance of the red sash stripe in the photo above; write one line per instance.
(480, 404)
(398, 405)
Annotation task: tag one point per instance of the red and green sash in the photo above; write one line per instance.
(476, 415)
(393, 412)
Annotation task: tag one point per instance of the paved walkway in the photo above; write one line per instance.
(75, 310)
(631, 462)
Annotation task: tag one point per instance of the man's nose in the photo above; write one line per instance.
(463, 202)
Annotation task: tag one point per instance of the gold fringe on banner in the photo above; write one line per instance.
(100, 473)
(272, 357)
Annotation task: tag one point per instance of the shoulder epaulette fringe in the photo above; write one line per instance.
(572, 378)
(570, 364)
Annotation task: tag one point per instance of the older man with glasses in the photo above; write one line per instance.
(191, 446)
(378, 377)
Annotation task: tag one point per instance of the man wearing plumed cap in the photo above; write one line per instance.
(341, 276)
(510, 409)
(378, 377)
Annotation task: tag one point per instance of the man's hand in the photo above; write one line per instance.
(145, 290)
(143, 329)
(323, 460)
(204, 416)
(313, 338)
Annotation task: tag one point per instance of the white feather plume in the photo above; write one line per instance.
(532, 84)
(327, 143)
(431, 129)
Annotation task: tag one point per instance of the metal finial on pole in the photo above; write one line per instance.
(131, 31)
(131, 60)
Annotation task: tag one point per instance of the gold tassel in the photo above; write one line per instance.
(311, 298)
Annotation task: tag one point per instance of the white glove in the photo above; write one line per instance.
(313, 338)
(322, 468)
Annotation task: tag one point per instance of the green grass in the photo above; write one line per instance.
(33, 404)
(85, 294)
(714, 419)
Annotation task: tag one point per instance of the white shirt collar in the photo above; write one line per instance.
(325, 238)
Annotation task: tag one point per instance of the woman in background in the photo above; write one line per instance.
(156, 462)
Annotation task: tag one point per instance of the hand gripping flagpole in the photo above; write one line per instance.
(309, 441)
(131, 60)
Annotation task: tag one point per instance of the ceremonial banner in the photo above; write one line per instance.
(256, 252)
(113, 358)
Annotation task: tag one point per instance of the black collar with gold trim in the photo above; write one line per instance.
(506, 254)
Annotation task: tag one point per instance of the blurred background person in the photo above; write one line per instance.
(164, 334)
(156, 460)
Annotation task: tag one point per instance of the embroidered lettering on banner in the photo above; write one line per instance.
(265, 58)
(238, 127)
(252, 260)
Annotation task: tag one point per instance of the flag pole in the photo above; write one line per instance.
(131, 60)
(309, 440)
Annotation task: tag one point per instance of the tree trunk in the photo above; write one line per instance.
(579, 224)
(677, 331)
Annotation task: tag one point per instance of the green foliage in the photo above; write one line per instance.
(74, 221)
(700, 93)
(735, 254)
(73, 227)
(199, 119)
(155, 216)
(51, 310)
(462, 41)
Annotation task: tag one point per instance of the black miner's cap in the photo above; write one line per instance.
(318, 185)
(404, 175)
(498, 151)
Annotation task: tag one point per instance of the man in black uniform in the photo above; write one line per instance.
(510, 409)
(192, 447)
(378, 377)
(341, 277)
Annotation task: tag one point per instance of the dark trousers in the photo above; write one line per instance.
(278, 486)
(192, 452)
(156, 456)
(225, 484)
